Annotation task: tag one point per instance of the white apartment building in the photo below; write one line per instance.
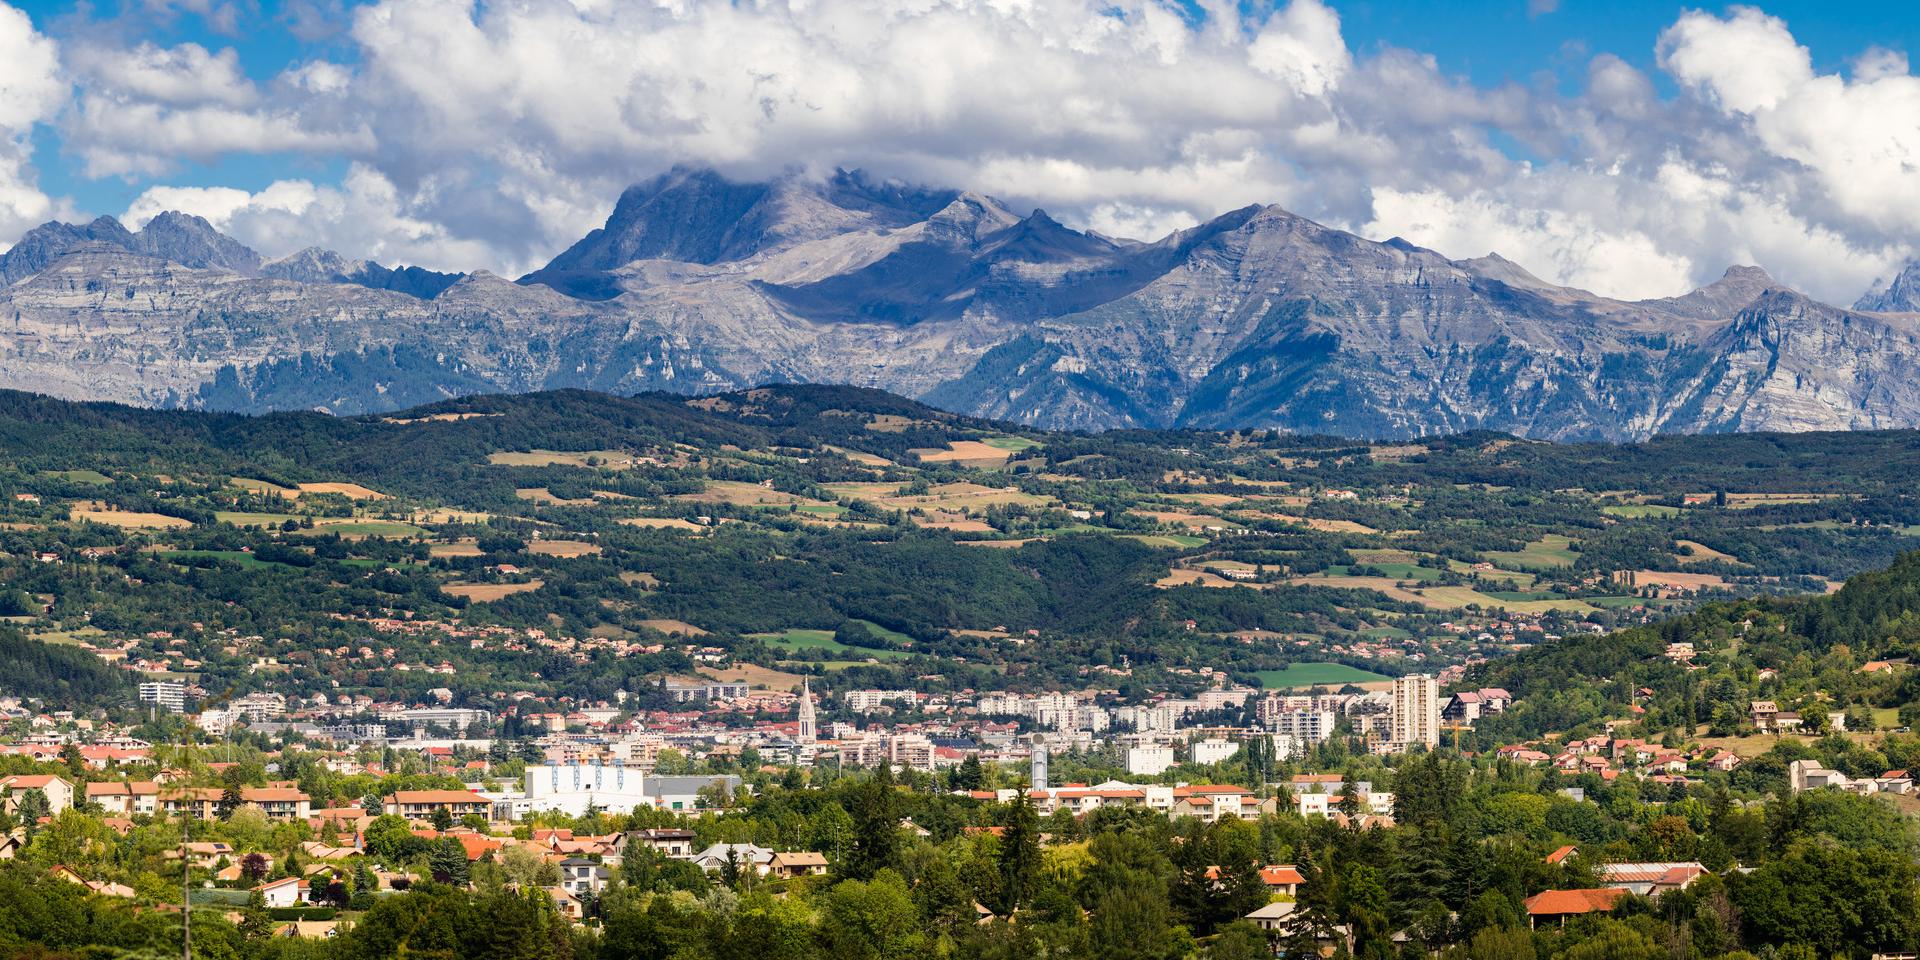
(1150, 759)
(1150, 718)
(1307, 726)
(1415, 716)
(1319, 794)
(260, 707)
(1212, 750)
(216, 723)
(910, 751)
(1224, 697)
(867, 701)
(165, 693)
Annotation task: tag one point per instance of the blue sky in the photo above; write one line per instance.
(1566, 135)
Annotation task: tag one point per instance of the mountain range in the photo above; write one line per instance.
(699, 283)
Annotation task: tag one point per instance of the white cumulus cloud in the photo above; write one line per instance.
(31, 89)
(484, 134)
(364, 216)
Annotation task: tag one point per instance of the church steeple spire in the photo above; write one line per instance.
(808, 731)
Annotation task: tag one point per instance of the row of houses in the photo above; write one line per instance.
(1314, 795)
(1804, 775)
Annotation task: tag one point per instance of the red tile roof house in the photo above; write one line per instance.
(1282, 878)
(59, 792)
(1651, 879)
(420, 804)
(290, 892)
(1555, 906)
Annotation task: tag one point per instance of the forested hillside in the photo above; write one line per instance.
(920, 545)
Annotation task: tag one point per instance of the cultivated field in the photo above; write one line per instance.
(544, 496)
(482, 592)
(563, 548)
(1181, 577)
(1551, 550)
(1448, 598)
(96, 512)
(661, 523)
(755, 676)
(601, 459)
(439, 418)
(352, 491)
(742, 494)
(1678, 581)
(1701, 553)
(966, 452)
(1191, 521)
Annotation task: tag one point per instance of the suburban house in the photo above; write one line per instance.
(745, 856)
(105, 888)
(676, 844)
(422, 804)
(59, 793)
(1282, 878)
(279, 803)
(1469, 706)
(1803, 775)
(290, 892)
(1555, 906)
(1273, 917)
(580, 875)
(201, 803)
(1650, 879)
(126, 798)
(797, 863)
(568, 904)
(202, 854)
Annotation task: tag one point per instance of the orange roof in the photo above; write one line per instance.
(1555, 903)
(478, 846)
(116, 788)
(1280, 875)
(1205, 789)
(272, 794)
(436, 796)
(1561, 854)
(28, 782)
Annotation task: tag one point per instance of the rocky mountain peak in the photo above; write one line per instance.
(316, 265)
(1737, 288)
(312, 265)
(970, 218)
(186, 239)
(46, 242)
(1041, 239)
(1496, 267)
(1898, 294)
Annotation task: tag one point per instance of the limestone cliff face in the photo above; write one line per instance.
(699, 284)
